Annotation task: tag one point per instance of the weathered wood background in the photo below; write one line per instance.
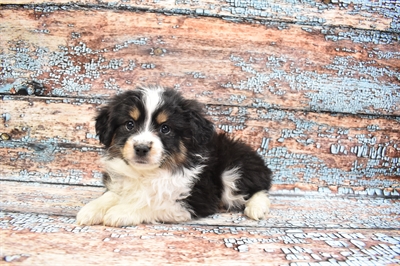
(314, 86)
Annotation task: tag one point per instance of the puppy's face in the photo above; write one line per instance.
(151, 128)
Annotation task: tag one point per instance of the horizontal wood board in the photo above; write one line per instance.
(255, 64)
(364, 14)
(315, 210)
(43, 240)
(306, 150)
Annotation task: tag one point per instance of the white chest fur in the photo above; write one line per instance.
(152, 188)
(136, 196)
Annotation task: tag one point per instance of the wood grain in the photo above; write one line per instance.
(292, 171)
(38, 162)
(41, 239)
(67, 120)
(53, 140)
(289, 211)
(365, 15)
(298, 228)
(216, 61)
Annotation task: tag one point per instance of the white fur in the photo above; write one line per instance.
(152, 99)
(257, 207)
(94, 211)
(229, 197)
(137, 196)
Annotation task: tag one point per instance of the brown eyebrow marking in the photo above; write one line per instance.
(135, 113)
(162, 117)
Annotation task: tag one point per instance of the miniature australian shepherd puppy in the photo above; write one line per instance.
(165, 162)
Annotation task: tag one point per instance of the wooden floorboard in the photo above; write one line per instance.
(309, 210)
(32, 239)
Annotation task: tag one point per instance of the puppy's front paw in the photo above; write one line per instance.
(121, 215)
(90, 214)
(257, 207)
(93, 212)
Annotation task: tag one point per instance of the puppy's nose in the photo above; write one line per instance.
(141, 149)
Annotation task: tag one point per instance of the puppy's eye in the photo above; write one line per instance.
(165, 129)
(130, 125)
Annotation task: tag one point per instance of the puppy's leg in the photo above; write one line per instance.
(174, 213)
(123, 215)
(257, 207)
(93, 212)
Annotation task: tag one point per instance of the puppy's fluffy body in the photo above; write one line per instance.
(165, 162)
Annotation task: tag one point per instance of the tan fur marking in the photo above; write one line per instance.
(176, 158)
(113, 140)
(127, 151)
(180, 157)
(135, 113)
(162, 117)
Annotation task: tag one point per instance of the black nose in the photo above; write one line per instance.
(141, 150)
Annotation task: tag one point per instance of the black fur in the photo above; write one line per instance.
(225, 153)
(111, 117)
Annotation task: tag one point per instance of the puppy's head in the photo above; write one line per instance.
(152, 127)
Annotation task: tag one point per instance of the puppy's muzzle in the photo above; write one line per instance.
(142, 150)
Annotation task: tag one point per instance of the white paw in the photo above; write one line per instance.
(177, 215)
(121, 215)
(257, 207)
(184, 217)
(91, 214)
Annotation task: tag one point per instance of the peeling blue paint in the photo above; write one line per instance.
(346, 84)
(292, 168)
(41, 153)
(343, 92)
(66, 75)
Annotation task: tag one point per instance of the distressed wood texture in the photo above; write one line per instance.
(32, 239)
(219, 62)
(313, 86)
(365, 14)
(308, 151)
(287, 211)
(298, 229)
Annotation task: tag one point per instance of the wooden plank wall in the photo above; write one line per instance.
(313, 86)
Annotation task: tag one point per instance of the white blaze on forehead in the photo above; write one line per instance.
(152, 99)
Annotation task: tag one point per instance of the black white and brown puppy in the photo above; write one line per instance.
(165, 162)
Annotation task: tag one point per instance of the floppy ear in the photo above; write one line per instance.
(202, 129)
(104, 129)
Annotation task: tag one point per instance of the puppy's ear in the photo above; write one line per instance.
(202, 129)
(104, 129)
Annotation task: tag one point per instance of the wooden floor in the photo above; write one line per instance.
(38, 227)
(313, 86)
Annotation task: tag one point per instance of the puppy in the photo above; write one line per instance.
(165, 162)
